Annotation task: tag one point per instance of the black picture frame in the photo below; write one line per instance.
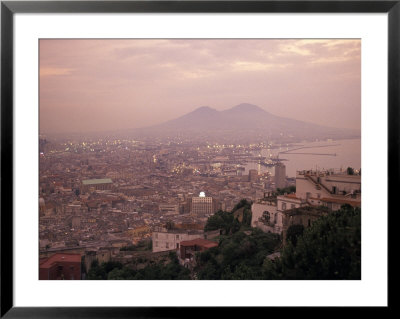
(9, 8)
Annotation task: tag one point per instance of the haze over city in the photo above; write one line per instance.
(105, 85)
(199, 159)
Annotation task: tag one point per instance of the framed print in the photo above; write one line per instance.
(180, 153)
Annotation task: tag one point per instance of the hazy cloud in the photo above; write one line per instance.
(90, 85)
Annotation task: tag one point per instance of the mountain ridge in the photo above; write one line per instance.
(245, 119)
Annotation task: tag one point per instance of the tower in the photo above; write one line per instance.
(280, 175)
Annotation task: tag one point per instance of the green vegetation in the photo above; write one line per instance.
(239, 256)
(293, 232)
(350, 171)
(161, 271)
(287, 190)
(329, 249)
(168, 269)
(220, 220)
(231, 222)
(100, 272)
(243, 203)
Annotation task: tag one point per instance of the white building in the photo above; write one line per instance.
(265, 216)
(202, 206)
(325, 188)
(164, 240)
(313, 188)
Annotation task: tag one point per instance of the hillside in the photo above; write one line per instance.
(245, 121)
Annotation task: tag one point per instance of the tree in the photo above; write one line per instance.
(238, 256)
(293, 232)
(246, 217)
(350, 171)
(288, 190)
(172, 270)
(235, 226)
(226, 220)
(242, 203)
(124, 273)
(96, 272)
(220, 220)
(329, 249)
(100, 272)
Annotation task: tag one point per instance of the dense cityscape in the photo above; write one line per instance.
(104, 199)
(144, 185)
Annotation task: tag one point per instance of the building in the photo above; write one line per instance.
(328, 184)
(96, 184)
(328, 189)
(100, 255)
(313, 189)
(301, 216)
(168, 209)
(280, 175)
(264, 216)
(188, 249)
(290, 201)
(203, 206)
(170, 239)
(60, 267)
(253, 175)
(323, 188)
(335, 203)
(74, 221)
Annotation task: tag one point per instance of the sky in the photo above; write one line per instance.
(104, 85)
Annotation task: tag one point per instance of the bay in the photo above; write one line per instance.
(321, 155)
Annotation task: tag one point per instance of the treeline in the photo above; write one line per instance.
(329, 249)
(229, 222)
(167, 269)
(238, 256)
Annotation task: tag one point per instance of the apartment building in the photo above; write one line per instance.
(313, 188)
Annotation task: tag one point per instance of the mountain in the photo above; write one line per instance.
(202, 118)
(246, 121)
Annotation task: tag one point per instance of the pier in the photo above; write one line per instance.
(303, 153)
(323, 154)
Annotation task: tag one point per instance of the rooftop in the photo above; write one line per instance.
(292, 196)
(341, 201)
(199, 242)
(47, 263)
(96, 181)
(306, 210)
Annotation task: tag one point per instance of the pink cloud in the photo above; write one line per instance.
(110, 84)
